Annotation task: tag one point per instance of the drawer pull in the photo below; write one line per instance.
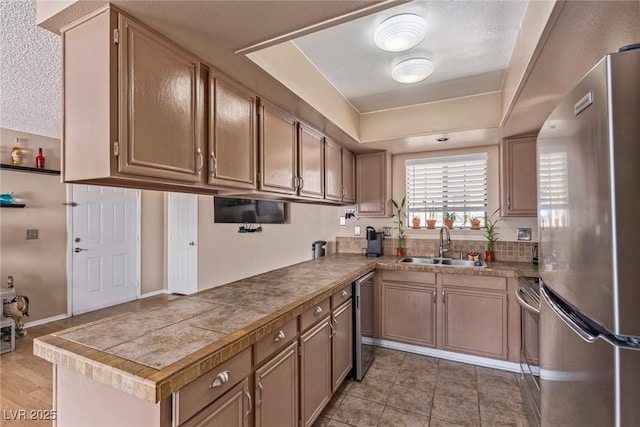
(343, 294)
(220, 379)
(317, 311)
(279, 336)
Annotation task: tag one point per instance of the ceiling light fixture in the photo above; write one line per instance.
(412, 70)
(400, 32)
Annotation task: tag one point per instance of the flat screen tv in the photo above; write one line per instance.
(241, 211)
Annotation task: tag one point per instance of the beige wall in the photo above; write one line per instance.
(39, 267)
(225, 255)
(152, 242)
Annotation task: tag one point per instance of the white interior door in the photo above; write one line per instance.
(183, 243)
(105, 246)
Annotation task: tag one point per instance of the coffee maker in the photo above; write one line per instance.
(374, 242)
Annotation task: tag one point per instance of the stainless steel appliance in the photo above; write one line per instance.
(528, 296)
(534, 254)
(363, 348)
(374, 243)
(589, 173)
(318, 249)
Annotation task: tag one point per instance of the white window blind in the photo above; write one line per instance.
(447, 184)
(553, 190)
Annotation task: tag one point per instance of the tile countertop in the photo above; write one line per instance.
(155, 352)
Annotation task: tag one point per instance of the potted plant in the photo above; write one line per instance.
(416, 222)
(431, 221)
(475, 223)
(491, 234)
(449, 219)
(401, 215)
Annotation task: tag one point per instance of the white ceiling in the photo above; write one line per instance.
(470, 42)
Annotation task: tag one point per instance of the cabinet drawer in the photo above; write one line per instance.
(275, 340)
(341, 296)
(480, 282)
(195, 396)
(314, 314)
(409, 276)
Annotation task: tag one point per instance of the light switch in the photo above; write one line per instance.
(343, 221)
(356, 230)
(32, 234)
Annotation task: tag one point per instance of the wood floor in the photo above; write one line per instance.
(26, 384)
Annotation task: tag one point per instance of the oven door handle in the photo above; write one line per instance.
(523, 303)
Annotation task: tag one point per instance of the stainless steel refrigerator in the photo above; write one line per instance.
(589, 223)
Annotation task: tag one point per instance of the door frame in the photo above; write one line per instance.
(69, 206)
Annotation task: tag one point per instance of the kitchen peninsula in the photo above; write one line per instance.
(143, 362)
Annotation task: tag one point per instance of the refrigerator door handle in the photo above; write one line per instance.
(579, 329)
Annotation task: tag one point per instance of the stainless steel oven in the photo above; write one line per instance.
(528, 296)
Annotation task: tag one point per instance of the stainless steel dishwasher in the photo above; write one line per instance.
(363, 348)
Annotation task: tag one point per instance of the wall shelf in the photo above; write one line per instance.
(29, 169)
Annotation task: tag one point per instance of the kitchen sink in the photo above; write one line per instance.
(448, 262)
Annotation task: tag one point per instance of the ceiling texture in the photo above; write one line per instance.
(501, 66)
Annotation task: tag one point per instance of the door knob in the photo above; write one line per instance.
(76, 250)
(192, 243)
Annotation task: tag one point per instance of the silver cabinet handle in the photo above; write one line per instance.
(279, 336)
(300, 183)
(343, 294)
(259, 400)
(214, 171)
(199, 154)
(220, 379)
(333, 329)
(246, 393)
(434, 297)
(317, 311)
(509, 203)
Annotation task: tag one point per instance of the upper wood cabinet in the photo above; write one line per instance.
(232, 134)
(310, 162)
(373, 181)
(519, 188)
(339, 173)
(278, 150)
(130, 103)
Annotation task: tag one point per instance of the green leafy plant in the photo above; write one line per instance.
(490, 230)
(451, 216)
(401, 214)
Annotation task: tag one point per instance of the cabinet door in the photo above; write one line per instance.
(276, 390)
(315, 371)
(475, 322)
(342, 346)
(348, 176)
(232, 409)
(158, 134)
(409, 313)
(519, 195)
(232, 135)
(278, 151)
(371, 184)
(333, 170)
(311, 162)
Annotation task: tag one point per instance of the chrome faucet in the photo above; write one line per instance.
(442, 250)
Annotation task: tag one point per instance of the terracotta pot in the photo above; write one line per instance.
(431, 224)
(416, 223)
(449, 223)
(475, 224)
(399, 252)
(488, 256)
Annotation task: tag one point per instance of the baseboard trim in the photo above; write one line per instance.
(154, 293)
(450, 355)
(47, 320)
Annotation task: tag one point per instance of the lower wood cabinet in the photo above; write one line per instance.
(409, 313)
(276, 390)
(475, 322)
(315, 370)
(342, 343)
(234, 408)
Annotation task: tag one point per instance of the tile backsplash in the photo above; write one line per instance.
(503, 251)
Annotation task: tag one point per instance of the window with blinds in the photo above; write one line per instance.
(553, 188)
(455, 185)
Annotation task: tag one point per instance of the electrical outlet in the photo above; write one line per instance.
(32, 234)
(356, 230)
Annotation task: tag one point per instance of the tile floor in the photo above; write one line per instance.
(405, 389)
